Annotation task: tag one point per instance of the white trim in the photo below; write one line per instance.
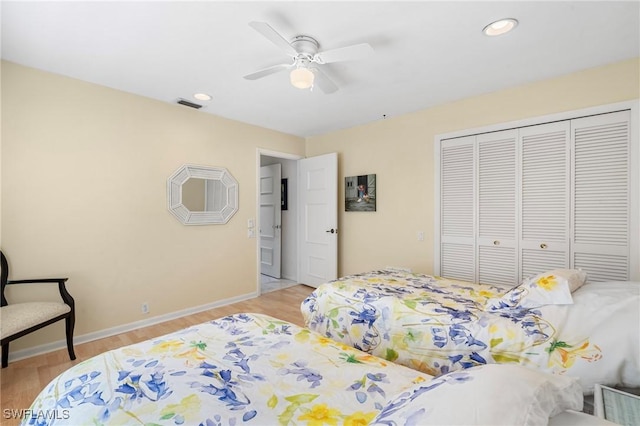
(278, 154)
(268, 153)
(634, 240)
(566, 115)
(437, 195)
(61, 344)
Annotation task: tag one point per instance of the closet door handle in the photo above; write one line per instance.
(496, 243)
(543, 246)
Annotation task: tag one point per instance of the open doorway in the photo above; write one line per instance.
(277, 236)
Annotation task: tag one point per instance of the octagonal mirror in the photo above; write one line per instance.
(202, 195)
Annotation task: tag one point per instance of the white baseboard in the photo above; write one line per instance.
(62, 344)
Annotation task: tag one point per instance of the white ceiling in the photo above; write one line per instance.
(426, 52)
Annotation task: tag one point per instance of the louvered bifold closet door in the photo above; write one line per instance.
(600, 243)
(457, 204)
(544, 206)
(497, 203)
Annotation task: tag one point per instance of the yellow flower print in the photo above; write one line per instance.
(192, 355)
(548, 283)
(499, 331)
(423, 367)
(324, 341)
(133, 352)
(168, 346)
(359, 419)
(565, 355)
(320, 415)
(355, 358)
(487, 294)
(370, 359)
(302, 336)
(187, 408)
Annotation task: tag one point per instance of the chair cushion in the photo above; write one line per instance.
(20, 316)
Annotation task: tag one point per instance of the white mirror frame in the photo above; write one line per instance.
(186, 216)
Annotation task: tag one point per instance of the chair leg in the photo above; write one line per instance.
(5, 355)
(69, 323)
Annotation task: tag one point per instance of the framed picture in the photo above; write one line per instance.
(360, 193)
(284, 194)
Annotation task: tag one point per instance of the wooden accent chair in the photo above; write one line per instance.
(20, 319)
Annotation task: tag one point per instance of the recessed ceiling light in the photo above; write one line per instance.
(202, 97)
(500, 27)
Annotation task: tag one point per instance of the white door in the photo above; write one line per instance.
(497, 201)
(270, 221)
(318, 215)
(457, 206)
(544, 199)
(601, 217)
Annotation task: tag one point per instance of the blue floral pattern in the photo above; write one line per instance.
(438, 326)
(245, 368)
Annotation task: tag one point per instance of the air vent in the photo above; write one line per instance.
(189, 104)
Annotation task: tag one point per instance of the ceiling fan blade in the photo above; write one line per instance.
(322, 82)
(273, 36)
(267, 71)
(348, 53)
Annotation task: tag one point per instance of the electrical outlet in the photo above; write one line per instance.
(420, 235)
(145, 308)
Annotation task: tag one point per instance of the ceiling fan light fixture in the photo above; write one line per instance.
(500, 27)
(302, 78)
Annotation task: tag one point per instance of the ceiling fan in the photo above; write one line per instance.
(306, 59)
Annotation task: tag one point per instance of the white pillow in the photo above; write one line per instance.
(492, 394)
(549, 288)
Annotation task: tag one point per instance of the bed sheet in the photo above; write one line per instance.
(437, 325)
(245, 368)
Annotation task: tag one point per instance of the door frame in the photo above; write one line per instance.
(271, 237)
(267, 153)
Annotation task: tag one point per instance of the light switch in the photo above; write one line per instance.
(420, 235)
(251, 223)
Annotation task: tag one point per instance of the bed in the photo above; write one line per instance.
(435, 325)
(255, 369)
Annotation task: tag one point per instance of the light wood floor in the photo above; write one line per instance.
(22, 380)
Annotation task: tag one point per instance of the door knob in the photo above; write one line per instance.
(333, 231)
(543, 246)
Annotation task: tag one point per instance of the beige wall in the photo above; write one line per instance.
(84, 172)
(400, 151)
(83, 187)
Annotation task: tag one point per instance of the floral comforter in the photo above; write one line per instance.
(436, 326)
(245, 368)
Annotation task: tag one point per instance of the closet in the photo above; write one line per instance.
(524, 200)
